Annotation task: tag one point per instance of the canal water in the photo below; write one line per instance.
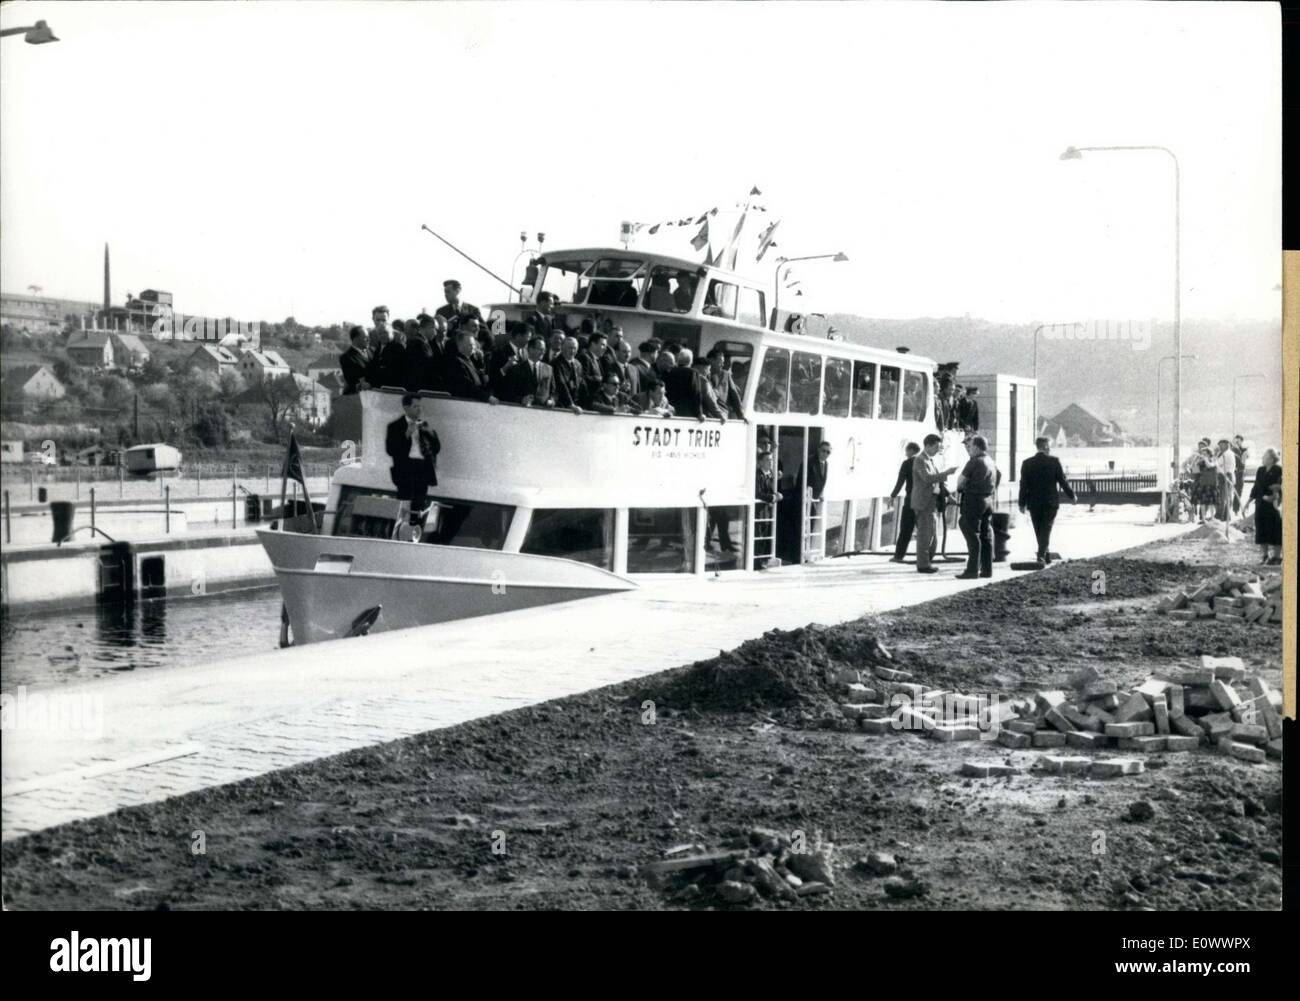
(40, 650)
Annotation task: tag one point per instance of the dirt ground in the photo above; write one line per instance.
(563, 804)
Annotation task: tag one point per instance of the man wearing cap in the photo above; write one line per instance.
(413, 446)
(976, 485)
(455, 311)
(927, 479)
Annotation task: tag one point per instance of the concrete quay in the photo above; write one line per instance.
(128, 740)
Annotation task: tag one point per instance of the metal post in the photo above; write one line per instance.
(76, 476)
(31, 482)
(121, 478)
(9, 529)
(92, 511)
(234, 503)
(268, 478)
(167, 510)
(198, 472)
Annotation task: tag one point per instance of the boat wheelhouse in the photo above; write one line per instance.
(539, 505)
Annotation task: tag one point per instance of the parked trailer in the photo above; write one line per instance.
(144, 459)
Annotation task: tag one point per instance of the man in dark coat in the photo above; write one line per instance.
(724, 386)
(1040, 475)
(968, 409)
(592, 360)
(688, 389)
(413, 446)
(456, 311)
(977, 483)
(462, 378)
(419, 358)
(507, 355)
(570, 387)
(355, 362)
(907, 520)
(389, 368)
(543, 319)
(818, 470)
(531, 382)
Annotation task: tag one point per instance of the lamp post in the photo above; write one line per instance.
(36, 34)
(1177, 456)
(1076, 153)
(785, 262)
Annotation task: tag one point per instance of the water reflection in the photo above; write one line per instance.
(52, 648)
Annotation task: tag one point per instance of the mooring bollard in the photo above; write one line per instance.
(92, 511)
(167, 510)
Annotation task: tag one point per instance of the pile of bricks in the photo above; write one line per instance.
(763, 863)
(1177, 710)
(1228, 597)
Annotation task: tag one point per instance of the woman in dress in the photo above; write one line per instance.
(1267, 495)
(1205, 492)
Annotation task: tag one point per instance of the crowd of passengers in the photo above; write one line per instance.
(538, 362)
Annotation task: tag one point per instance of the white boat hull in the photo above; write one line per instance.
(329, 582)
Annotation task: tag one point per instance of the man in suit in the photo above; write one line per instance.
(462, 378)
(688, 389)
(543, 319)
(570, 387)
(927, 479)
(455, 311)
(593, 362)
(508, 355)
(390, 361)
(907, 520)
(629, 377)
(724, 386)
(413, 446)
(355, 362)
(530, 382)
(644, 364)
(968, 409)
(977, 483)
(1040, 475)
(419, 357)
(818, 470)
(382, 331)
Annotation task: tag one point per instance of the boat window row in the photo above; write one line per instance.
(659, 288)
(805, 382)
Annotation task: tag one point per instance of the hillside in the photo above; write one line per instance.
(1110, 378)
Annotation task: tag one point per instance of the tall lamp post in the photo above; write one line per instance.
(1235, 380)
(1076, 153)
(785, 262)
(1177, 456)
(36, 34)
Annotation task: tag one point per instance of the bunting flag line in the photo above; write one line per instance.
(765, 242)
(702, 237)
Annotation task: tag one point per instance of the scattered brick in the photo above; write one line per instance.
(1145, 744)
(1274, 748)
(948, 732)
(985, 770)
(1245, 752)
(1134, 709)
(1162, 715)
(876, 727)
(1091, 741)
(1249, 733)
(1056, 764)
(1047, 738)
(1177, 743)
(1021, 726)
(1224, 694)
(1114, 767)
(1013, 740)
(1186, 726)
(1174, 696)
(1263, 703)
(1058, 721)
(891, 674)
(1129, 730)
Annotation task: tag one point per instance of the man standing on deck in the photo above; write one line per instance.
(456, 311)
(976, 485)
(413, 446)
(463, 379)
(907, 522)
(382, 331)
(927, 478)
(569, 385)
(1040, 475)
(355, 362)
(543, 319)
(724, 386)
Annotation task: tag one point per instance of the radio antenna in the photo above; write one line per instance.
(472, 261)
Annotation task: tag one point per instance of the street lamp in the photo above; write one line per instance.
(1235, 380)
(38, 34)
(785, 262)
(1177, 456)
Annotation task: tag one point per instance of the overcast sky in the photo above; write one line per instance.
(269, 158)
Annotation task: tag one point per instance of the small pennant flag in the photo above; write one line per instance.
(655, 228)
(755, 191)
(765, 241)
(684, 222)
(702, 237)
(293, 470)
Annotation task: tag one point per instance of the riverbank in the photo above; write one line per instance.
(561, 805)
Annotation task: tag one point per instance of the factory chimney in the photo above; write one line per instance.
(108, 285)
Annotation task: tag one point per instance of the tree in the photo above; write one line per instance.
(282, 397)
(212, 428)
(230, 384)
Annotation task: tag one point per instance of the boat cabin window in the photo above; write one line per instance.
(739, 361)
(720, 300)
(864, 389)
(661, 540)
(670, 290)
(805, 383)
(890, 377)
(565, 279)
(583, 535)
(773, 382)
(752, 307)
(913, 396)
(616, 282)
(373, 514)
(837, 387)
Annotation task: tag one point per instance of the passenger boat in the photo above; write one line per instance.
(539, 506)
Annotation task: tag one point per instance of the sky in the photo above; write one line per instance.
(271, 159)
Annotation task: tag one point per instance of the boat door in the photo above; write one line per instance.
(799, 526)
